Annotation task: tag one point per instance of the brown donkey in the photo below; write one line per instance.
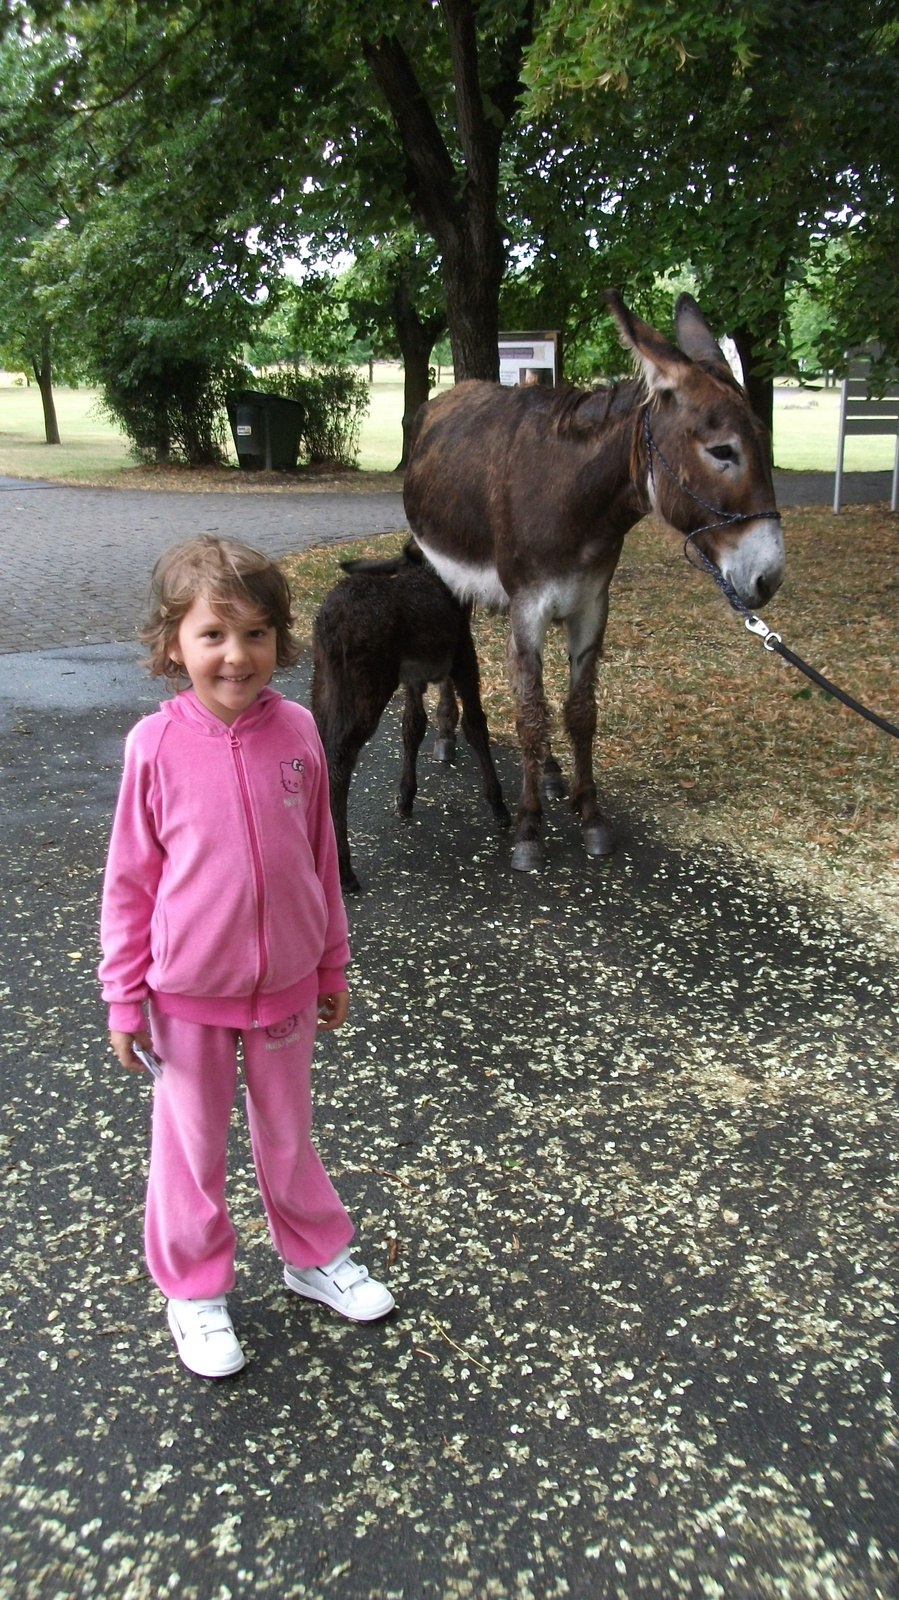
(521, 499)
(394, 622)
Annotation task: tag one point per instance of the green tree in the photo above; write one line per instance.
(854, 287)
(726, 140)
(29, 340)
(396, 298)
(37, 203)
(585, 49)
(400, 113)
(740, 145)
(388, 304)
(161, 267)
(308, 321)
(163, 317)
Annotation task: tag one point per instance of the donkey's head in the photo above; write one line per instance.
(704, 455)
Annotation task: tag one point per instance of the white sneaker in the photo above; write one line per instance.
(205, 1337)
(343, 1285)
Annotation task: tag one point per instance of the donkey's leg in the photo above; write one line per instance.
(529, 626)
(447, 717)
(553, 783)
(466, 678)
(585, 630)
(415, 722)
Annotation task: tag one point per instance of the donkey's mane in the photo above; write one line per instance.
(575, 412)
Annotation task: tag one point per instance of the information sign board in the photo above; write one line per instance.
(530, 358)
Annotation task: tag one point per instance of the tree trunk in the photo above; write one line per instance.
(472, 270)
(459, 208)
(416, 390)
(43, 372)
(752, 349)
(416, 341)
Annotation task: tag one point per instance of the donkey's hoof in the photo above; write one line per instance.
(528, 856)
(598, 839)
(553, 786)
(349, 883)
(445, 750)
(501, 816)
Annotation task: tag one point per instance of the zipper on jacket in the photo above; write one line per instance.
(257, 869)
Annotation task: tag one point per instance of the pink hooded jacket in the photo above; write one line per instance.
(222, 894)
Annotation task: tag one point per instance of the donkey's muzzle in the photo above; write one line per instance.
(765, 588)
(755, 562)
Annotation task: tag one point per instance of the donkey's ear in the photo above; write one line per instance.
(694, 335)
(664, 366)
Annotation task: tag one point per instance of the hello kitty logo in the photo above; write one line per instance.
(283, 1033)
(292, 775)
(280, 1030)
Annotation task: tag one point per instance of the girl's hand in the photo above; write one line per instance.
(332, 1010)
(121, 1047)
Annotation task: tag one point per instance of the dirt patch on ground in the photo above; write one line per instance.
(231, 480)
(718, 739)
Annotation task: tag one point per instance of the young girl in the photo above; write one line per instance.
(222, 912)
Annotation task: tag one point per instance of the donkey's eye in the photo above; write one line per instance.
(722, 452)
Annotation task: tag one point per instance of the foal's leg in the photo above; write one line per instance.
(532, 724)
(585, 630)
(341, 754)
(466, 678)
(447, 717)
(415, 722)
(346, 721)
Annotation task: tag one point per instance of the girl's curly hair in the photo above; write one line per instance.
(233, 578)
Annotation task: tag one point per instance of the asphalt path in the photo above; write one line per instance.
(74, 563)
(620, 1136)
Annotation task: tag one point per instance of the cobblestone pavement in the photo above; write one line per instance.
(74, 563)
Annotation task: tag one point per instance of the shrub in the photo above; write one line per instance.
(172, 409)
(164, 380)
(334, 400)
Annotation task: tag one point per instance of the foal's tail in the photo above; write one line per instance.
(389, 566)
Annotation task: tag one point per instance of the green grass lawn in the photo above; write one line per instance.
(805, 431)
(90, 447)
(805, 434)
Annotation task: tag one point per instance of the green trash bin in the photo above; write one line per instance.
(266, 430)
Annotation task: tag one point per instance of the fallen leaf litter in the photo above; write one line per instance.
(715, 737)
(629, 1137)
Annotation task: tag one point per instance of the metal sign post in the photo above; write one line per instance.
(858, 414)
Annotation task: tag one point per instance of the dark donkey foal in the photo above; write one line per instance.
(393, 622)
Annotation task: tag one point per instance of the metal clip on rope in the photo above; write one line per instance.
(756, 625)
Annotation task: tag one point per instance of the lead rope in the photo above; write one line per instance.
(771, 641)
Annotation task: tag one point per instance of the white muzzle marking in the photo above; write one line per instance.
(755, 563)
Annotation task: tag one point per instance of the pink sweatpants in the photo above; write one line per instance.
(188, 1235)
